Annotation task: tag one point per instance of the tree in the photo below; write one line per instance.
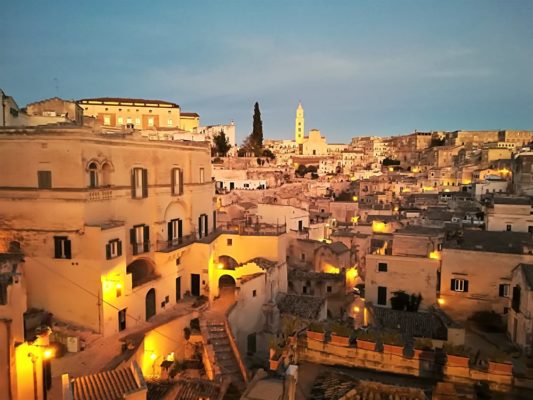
(268, 153)
(221, 144)
(254, 141)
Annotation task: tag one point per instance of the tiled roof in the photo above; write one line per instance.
(189, 114)
(263, 263)
(527, 269)
(493, 242)
(337, 386)
(512, 200)
(108, 385)
(301, 274)
(338, 247)
(307, 307)
(194, 389)
(417, 324)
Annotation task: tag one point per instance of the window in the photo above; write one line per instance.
(530, 229)
(120, 120)
(44, 179)
(302, 256)
(382, 267)
(137, 121)
(167, 299)
(304, 290)
(122, 319)
(169, 123)
(151, 121)
(175, 229)
(140, 239)
(62, 247)
(382, 296)
(509, 227)
(178, 261)
(254, 293)
(128, 120)
(93, 175)
(504, 290)
(329, 289)
(113, 249)
(229, 242)
(459, 285)
(202, 175)
(203, 227)
(107, 120)
(176, 179)
(139, 183)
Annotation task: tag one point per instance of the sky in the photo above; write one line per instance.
(359, 67)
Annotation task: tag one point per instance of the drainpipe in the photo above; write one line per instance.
(7, 323)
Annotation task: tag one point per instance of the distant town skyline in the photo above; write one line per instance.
(359, 68)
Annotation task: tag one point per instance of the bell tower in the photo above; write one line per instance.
(299, 124)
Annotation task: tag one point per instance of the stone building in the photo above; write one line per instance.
(509, 214)
(56, 107)
(139, 113)
(520, 321)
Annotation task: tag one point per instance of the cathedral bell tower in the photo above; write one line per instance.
(299, 124)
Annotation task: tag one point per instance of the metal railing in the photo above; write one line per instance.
(174, 244)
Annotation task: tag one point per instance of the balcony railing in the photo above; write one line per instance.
(171, 245)
(139, 248)
(99, 194)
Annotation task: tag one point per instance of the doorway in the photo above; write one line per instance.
(195, 284)
(122, 320)
(178, 289)
(150, 304)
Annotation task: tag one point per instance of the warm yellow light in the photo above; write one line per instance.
(396, 208)
(428, 188)
(406, 190)
(355, 198)
(378, 226)
(415, 169)
(353, 178)
(355, 219)
(446, 190)
(440, 301)
(467, 181)
(330, 269)
(119, 285)
(220, 266)
(391, 169)
(435, 255)
(153, 356)
(356, 309)
(48, 354)
(351, 273)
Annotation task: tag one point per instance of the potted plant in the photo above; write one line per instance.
(423, 349)
(315, 331)
(276, 352)
(457, 356)
(500, 363)
(392, 343)
(340, 335)
(366, 340)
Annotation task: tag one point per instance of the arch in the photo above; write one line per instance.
(142, 270)
(228, 262)
(150, 304)
(226, 281)
(92, 168)
(107, 169)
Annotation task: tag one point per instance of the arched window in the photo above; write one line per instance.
(106, 174)
(93, 175)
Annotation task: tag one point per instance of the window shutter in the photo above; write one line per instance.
(180, 228)
(146, 237)
(133, 184)
(501, 290)
(181, 181)
(173, 181)
(214, 220)
(119, 248)
(108, 251)
(57, 247)
(145, 182)
(452, 285)
(169, 230)
(68, 253)
(466, 286)
(199, 227)
(206, 225)
(132, 236)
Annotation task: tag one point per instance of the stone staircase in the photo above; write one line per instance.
(228, 367)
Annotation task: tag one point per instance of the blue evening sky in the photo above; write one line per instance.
(359, 67)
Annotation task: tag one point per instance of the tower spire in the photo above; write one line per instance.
(299, 124)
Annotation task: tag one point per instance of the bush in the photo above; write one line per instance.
(393, 338)
(316, 327)
(423, 344)
(457, 350)
(367, 335)
(341, 330)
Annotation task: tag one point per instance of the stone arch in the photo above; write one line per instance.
(228, 262)
(92, 171)
(142, 270)
(150, 304)
(226, 281)
(107, 169)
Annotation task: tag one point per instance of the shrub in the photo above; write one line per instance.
(341, 330)
(393, 338)
(423, 344)
(457, 350)
(316, 327)
(367, 335)
(488, 321)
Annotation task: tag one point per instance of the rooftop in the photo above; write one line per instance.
(128, 102)
(512, 200)
(312, 275)
(417, 230)
(527, 269)
(493, 242)
(307, 307)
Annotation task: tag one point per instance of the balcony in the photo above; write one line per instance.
(139, 248)
(100, 194)
(257, 229)
(166, 246)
